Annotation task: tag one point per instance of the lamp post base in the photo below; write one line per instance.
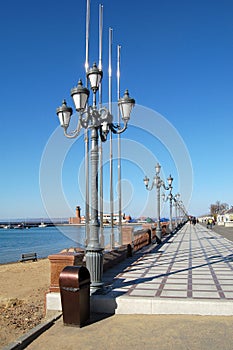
(158, 235)
(94, 263)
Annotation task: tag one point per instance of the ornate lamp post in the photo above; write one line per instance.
(176, 201)
(182, 210)
(157, 182)
(169, 180)
(100, 123)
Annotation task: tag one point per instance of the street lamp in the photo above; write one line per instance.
(100, 123)
(169, 180)
(176, 204)
(157, 182)
(182, 211)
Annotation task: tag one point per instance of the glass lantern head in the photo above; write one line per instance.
(126, 104)
(80, 96)
(169, 180)
(94, 75)
(64, 114)
(146, 181)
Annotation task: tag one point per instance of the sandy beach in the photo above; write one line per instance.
(23, 288)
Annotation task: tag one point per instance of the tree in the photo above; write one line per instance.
(218, 208)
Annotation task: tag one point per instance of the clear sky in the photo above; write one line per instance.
(176, 61)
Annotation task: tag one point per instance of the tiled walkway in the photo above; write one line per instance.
(195, 266)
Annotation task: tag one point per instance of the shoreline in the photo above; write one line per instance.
(226, 232)
(20, 262)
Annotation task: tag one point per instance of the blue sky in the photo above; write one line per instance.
(176, 60)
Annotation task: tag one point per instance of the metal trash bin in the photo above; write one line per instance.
(74, 282)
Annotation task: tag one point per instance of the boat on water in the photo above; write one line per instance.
(19, 226)
(7, 227)
(16, 227)
(42, 225)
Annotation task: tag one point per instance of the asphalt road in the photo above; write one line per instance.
(226, 232)
(137, 332)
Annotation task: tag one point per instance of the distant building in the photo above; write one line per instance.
(205, 218)
(225, 218)
(107, 218)
(77, 219)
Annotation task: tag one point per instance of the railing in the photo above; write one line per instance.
(141, 239)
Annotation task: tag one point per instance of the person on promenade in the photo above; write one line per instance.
(210, 223)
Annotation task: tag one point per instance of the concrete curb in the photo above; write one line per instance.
(29, 337)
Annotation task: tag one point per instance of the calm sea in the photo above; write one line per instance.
(43, 241)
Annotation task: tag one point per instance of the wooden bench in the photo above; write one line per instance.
(29, 256)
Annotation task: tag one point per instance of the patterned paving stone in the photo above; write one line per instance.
(196, 265)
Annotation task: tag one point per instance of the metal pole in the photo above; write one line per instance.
(158, 228)
(111, 160)
(100, 36)
(119, 149)
(101, 145)
(170, 197)
(86, 140)
(94, 253)
(179, 212)
(101, 194)
(86, 137)
(87, 35)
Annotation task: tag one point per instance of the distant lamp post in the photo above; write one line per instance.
(157, 182)
(99, 122)
(169, 188)
(182, 211)
(176, 204)
(170, 180)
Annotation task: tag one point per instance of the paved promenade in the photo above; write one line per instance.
(192, 273)
(157, 298)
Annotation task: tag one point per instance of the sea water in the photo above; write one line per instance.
(43, 240)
